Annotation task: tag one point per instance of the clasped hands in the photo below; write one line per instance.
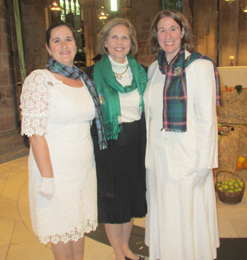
(47, 187)
(201, 175)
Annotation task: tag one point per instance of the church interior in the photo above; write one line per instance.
(220, 32)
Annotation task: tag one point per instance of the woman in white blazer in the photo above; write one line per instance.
(180, 102)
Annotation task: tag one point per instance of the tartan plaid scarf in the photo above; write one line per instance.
(75, 73)
(175, 90)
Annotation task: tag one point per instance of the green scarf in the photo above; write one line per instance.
(108, 88)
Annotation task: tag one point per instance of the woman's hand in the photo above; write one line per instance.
(47, 187)
(201, 175)
(42, 157)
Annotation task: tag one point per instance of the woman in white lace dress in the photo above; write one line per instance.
(58, 104)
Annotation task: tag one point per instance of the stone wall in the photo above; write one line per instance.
(7, 84)
(90, 29)
(33, 25)
(11, 142)
(144, 12)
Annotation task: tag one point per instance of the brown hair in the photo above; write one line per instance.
(187, 40)
(103, 34)
(55, 25)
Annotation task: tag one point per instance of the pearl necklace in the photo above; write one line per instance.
(119, 75)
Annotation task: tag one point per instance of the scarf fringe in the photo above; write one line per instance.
(113, 129)
(174, 130)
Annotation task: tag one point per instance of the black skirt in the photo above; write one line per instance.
(121, 175)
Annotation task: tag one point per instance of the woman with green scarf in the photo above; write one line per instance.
(121, 82)
(182, 140)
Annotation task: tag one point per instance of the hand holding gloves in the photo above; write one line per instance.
(201, 175)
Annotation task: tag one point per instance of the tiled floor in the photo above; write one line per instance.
(17, 240)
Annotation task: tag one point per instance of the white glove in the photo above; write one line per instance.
(47, 187)
(201, 175)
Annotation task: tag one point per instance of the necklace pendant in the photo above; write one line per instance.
(118, 76)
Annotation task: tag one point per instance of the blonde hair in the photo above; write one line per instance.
(103, 34)
(187, 40)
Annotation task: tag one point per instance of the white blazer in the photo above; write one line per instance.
(198, 146)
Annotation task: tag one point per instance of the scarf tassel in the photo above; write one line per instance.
(113, 129)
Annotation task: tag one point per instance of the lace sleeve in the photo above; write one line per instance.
(35, 98)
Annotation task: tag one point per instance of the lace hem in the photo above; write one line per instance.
(73, 235)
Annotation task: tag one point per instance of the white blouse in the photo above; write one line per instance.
(129, 102)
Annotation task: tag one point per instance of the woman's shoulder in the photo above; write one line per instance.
(39, 74)
(37, 79)
(202, 61)
(153, 64)
(35, 75)
(201, 64)
(200, 68)
(152, 68)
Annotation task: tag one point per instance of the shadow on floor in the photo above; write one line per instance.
(230, 248)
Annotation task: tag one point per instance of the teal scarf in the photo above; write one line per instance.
(108, 88)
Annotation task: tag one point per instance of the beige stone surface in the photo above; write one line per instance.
(29, 251)
(226, 229)
(17, 240)
(6, 229)
(3, 251)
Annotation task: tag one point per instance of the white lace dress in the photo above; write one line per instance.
(63, 115)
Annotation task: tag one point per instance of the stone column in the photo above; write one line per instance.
(186, 7)
(11, 143)
(228, 32)
(8, 116)
(205, 27)
(143, 14)
(33, 26)
(90, 29)
(242, 57)
(126, 9)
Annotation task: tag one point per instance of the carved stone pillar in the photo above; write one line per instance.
(126, 9)
(90, 29)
